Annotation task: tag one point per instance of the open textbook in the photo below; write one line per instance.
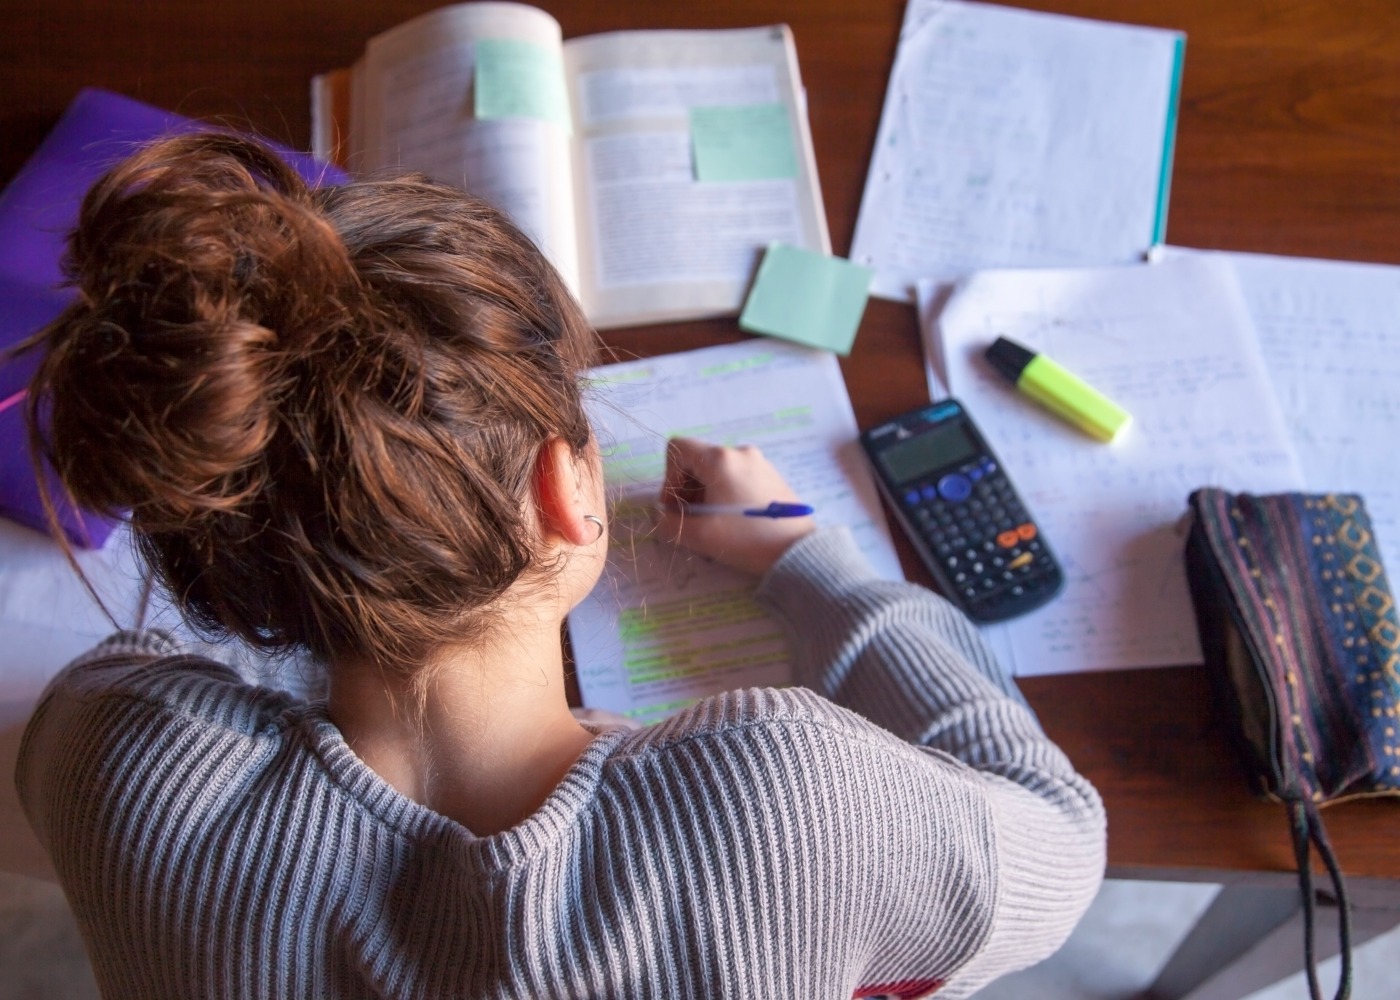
(1014, 138)
(1174, 345)
(652, 167)
(664, 628)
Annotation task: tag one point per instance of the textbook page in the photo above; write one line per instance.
(692, 154)
(1171, 343)
(1014, 138)
(414, 107)
(1329, 334)
(664, 628)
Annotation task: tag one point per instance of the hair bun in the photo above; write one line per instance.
(204, 271)
(323, 409)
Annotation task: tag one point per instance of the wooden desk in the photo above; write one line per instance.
(1289, 142)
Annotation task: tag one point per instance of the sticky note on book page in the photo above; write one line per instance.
(808, 297)
(520, 79)
(742, 142)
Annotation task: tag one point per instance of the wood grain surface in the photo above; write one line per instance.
(1288, 142)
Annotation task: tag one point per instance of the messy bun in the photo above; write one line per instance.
(199, 266)
(321, 408)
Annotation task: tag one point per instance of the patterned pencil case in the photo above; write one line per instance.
(1300, 634)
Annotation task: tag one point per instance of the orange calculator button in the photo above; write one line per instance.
(1007, 539)
(1024, 559)
(1026, 532)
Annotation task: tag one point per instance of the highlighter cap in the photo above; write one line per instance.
(1008, 358)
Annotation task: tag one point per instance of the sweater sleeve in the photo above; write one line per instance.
(907, 660)
(79, 718)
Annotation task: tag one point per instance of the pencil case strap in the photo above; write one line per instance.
(1308, 832)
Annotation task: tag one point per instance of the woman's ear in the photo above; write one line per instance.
(562, 496)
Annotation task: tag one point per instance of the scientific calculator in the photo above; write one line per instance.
(956, 503)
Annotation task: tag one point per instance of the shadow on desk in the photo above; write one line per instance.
(1179, 803)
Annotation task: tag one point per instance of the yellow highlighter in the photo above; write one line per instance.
(1059, 391)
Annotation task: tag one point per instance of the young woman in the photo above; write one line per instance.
(349, 422)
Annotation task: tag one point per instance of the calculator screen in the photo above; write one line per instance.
(931, 450)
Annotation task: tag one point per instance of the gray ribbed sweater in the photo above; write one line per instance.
(221, 840)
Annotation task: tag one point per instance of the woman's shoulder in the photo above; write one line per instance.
(131, 698)
(154, 669)
(746, 708)
(750, 776)
(777, 728)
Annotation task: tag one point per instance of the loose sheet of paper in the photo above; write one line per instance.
(48, 617)
(1329, 331)
(1173, 344)
(664, 628)
(1013, 138)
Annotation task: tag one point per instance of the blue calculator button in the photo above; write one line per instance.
(911, 497)
(930, 493)
(975, 473)
(955, 487)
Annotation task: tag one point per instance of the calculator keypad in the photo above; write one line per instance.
(982, 537)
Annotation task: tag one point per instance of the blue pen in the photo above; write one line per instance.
(778, 508)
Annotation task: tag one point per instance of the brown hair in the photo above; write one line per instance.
(321, 408)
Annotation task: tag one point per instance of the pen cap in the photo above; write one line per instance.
(1068, 396)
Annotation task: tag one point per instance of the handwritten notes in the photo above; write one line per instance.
(664, 628)
(1330, 338)
(1013, 138)
(1173, 344)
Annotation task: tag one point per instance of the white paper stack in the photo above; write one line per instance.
(1173, 344)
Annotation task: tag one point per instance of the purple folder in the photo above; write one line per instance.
(37, 211)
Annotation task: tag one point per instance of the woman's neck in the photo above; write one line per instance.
(494, 737)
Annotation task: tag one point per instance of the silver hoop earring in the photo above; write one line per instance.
(598, 521)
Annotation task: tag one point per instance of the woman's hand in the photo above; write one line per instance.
(702, 473)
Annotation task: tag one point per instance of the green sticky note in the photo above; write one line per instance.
(518, 79)
(807, 297)
(742, 142)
